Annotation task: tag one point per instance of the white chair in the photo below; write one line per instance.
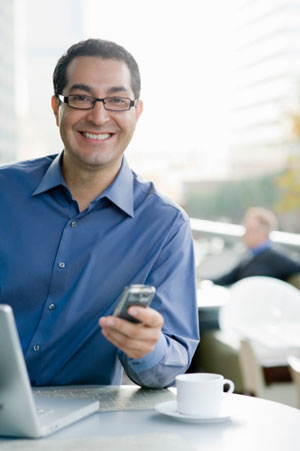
(267, 312)
(260, 300)
(264, 314)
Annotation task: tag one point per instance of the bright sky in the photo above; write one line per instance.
(182, 48)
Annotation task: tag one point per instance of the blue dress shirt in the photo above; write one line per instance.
(62, 269)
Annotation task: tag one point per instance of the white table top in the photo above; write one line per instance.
(273, 343)
(255, 424)
(211, 296)
(281, 336)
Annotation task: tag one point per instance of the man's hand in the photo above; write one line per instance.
(135, 339)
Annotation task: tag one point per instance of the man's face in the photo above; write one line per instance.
(96, 138)
(255, 233)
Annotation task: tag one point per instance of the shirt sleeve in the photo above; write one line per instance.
(173, 275)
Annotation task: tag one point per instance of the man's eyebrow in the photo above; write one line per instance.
(81, 87)
(114, 89)
(88, 89)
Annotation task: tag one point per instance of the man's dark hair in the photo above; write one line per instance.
(100, 48)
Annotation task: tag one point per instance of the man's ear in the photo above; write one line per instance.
(138, 109)
(55, 102)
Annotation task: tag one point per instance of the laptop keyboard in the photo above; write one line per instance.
(112, 398)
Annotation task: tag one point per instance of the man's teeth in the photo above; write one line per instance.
(100, 137)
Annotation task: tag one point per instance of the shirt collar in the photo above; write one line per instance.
(119, 192)
(261, 247)
(53, 177)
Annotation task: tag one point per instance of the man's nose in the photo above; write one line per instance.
(98, 114)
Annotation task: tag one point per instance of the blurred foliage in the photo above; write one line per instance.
(231, 199)
(288, 185)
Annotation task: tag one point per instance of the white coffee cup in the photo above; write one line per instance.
(201, 394)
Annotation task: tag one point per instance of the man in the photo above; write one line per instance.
(79, 226)
(262, 259)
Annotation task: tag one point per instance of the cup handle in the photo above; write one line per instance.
(231, 386)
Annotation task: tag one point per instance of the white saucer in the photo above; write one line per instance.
(170, 408)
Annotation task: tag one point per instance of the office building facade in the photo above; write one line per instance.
(265, 84)
(8, 126)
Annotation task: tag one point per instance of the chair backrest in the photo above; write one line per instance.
(254, 379)
(294, 367)
(259, 300)
(252, 373)
(294, 280)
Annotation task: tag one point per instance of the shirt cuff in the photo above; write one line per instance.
(152, 359)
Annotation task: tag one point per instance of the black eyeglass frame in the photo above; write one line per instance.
(65, 99)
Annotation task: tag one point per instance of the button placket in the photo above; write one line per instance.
(50, 309)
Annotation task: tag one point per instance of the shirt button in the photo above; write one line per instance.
(51, 306)
(36, 348)
(61, 264)
(73, 224)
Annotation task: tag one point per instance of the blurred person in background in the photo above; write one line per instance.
(261, 259)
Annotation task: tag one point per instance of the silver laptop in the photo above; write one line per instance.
(20, 414)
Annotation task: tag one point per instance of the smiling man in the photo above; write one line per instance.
(81, 225)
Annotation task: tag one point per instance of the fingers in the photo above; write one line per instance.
(147, 316)
(134, 348)
(135, 339)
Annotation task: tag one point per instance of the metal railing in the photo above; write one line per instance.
(232, 232)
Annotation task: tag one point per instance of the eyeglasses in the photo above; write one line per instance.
(83, 102)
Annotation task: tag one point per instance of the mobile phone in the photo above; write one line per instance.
(140, 295)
